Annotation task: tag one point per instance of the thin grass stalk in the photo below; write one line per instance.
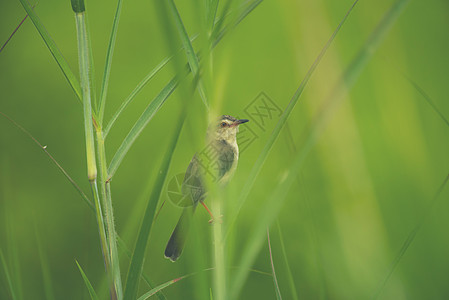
(410, 238)
(51, 45)
(136, 265)
(108, 64)
(84, 52)
(8, 276)
(46, 276)
(154, 106)
(188, 48)
(89, 286)
(291, 280)
(282, 121)
(276, 200)
(108, 214)
(219, 255)
(134, 93)
(275, 279)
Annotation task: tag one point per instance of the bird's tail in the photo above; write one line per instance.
(178, 238)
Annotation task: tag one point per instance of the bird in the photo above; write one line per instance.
(223, 154)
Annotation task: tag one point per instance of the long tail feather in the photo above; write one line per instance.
(178, 238)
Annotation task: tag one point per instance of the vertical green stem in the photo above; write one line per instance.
(83, 57)
(108, 242)
(105, 191)
(219, 271)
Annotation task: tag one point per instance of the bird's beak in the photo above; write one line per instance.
(241, 121)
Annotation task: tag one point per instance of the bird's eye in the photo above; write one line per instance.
(223, 124)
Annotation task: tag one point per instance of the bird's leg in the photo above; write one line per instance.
(211, 221)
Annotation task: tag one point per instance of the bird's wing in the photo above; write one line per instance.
(193, 187)
(226, 159)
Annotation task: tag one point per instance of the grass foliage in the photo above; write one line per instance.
(218, 54)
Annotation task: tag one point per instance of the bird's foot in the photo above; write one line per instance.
(215, 220)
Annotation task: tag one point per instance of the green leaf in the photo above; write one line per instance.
(44, 148)
(188, 48)
(8, 276)
(146, 116)
(107, 67)
(136, 265)
(282, 121)
(63, 65)
(46, 276)
(89, 286)
(134, 93)
(275, 280)
(410, 238)
(291, 280)
(158, 288)
(276, 200)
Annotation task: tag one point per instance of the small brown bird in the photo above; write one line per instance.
(223, 140)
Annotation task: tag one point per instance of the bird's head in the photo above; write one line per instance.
(227, 127)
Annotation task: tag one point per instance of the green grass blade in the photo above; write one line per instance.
(245, 12)
(8, 276)
(159, 288)
(85, 67)
(148, 281)
(46, 276)
(44, 148)
(410, 238)
(15, 30)
(136, 265)
(146, 116)
(89, 286)
(51, 45)
(188, 48)
(291, 280)
(212, 7)
(275, 202)
(107, 67)
(282, 121)
(275, 280)
(134, 93)
(420, 90)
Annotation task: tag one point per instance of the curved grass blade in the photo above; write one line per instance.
(282, 121)
(420, 91)
(51, 45)
(291, 281)
(89, 286)
(159, 288)
(15, 30)
(136, 265)
(190, 53)
(245, 12)
(134, 93)
(44, 148)
(149, 112)
(410, 238)
(46, 276)
(8, 276)
(146, 116)
(275, 280)
(276, 200)
(128, 253)
(107, 67)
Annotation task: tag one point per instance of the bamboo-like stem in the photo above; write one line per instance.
(108, 214)
(108, 242)
(219, 271)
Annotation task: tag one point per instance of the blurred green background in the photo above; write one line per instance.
(367, 182)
